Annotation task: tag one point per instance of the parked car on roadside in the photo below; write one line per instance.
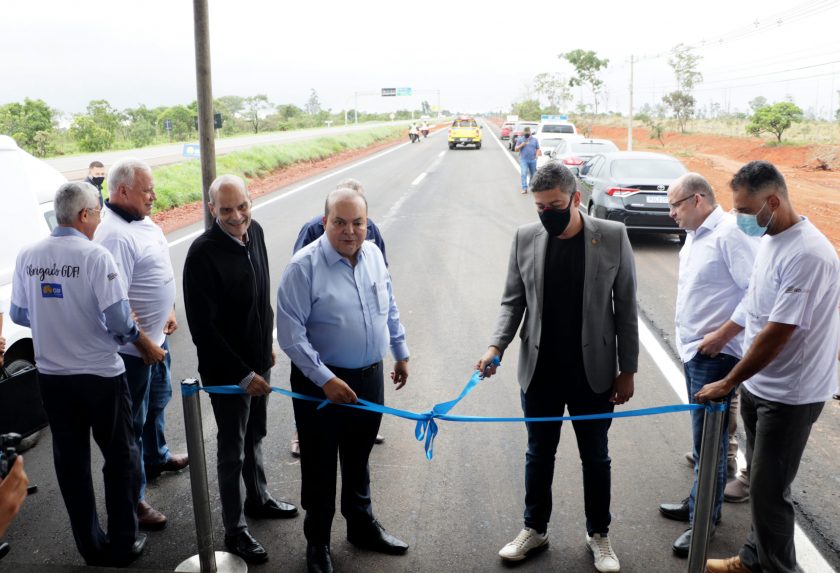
(631, 187)
(574, 152)
(518, 129)
(507, 127)
(552, 129)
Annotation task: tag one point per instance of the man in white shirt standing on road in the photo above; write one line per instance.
(789, 369)
(715, 266)
(142, 255)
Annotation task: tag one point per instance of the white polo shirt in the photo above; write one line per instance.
(715, 267)
(66, 282)
(142, 256)
(796, 281)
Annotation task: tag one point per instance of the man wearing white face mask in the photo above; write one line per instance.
(788, 370)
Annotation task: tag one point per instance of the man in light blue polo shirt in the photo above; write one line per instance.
(529, 149)
(336, 320)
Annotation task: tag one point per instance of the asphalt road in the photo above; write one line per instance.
(76, 166)
(448, 218)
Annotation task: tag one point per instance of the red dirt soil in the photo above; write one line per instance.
(812, 172)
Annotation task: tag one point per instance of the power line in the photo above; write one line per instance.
(771, 73)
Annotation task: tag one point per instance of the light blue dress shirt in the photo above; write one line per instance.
(330, 312)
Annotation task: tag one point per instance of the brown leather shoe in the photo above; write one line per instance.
(730, 565)
(176, 462)
(148, 518)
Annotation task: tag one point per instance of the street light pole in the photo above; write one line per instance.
(206, 129)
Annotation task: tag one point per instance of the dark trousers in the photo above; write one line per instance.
(75, 405)
(777, 434)
(699, 371)
(241, 423)
(336, 431)
(138, 375)
(549, 397)
(155, 450)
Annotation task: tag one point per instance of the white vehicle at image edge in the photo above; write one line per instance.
(27, 189)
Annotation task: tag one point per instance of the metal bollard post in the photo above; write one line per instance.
(208, 560)
(706, 484)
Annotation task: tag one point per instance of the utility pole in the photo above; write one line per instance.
(630, 116)
(356, 108)
(206, 129)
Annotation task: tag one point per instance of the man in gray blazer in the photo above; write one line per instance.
(574, 280)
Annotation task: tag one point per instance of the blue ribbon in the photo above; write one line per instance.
(426, 429)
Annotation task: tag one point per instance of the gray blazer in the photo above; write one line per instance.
(610, 322)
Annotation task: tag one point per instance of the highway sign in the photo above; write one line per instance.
(403, 91)
(389, 92)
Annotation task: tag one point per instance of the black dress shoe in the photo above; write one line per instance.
(374, 537)
(318, 559)
(136, 551)
(683, 543)
(246, 547)
(675, 511)
(272, 509)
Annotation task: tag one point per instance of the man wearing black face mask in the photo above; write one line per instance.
(96, 176)
(574, 280)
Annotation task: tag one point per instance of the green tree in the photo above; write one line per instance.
(682, 105)
(554, 88)
(774, 119)
(182, 120)
(684, 62)
(528, 110)
(587, 65)
(255, 106)
(105, 116)
(24, 121)
(313, 104)
(141, 132)
(425, 108)
(289, 111)
(757, 102)
(90, 135)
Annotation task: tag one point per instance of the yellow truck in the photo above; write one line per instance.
(464, 131)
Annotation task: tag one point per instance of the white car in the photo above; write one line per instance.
(554, 129)
(575, 152)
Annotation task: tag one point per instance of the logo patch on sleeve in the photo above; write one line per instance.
(51, 290)
(112, 276)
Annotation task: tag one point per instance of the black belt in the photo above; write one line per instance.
(363, 371)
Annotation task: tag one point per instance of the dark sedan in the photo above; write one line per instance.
(631, 187)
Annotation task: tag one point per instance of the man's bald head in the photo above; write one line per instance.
(341, 195)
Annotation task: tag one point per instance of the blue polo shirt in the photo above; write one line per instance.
(529, 152)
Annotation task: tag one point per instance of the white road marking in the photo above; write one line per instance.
(288, 194)
(442, 153)
(419, 179)
(807, 555)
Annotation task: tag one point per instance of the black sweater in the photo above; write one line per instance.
(226, 295)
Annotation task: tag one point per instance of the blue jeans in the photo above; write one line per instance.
(529, 169)
(138, 375)
(699, 371)
(155, 450)
(549, 398)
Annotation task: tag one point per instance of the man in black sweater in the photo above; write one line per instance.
(226, 295)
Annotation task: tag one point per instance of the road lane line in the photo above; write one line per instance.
(419, 179)
(296, 190)
(807, 554)
(442, 153)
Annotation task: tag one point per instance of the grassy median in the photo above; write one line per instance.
(180, 183)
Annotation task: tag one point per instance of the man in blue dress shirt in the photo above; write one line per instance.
(336, 319)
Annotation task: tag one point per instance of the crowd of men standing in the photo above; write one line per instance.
(105, 275)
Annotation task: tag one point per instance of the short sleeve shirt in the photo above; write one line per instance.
(66, 282)
(529, 151)
(796, 281)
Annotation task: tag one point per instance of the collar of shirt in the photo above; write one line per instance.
(238, 241)
(711, 222)
(128, 217)
(67, 232)
(332, 256)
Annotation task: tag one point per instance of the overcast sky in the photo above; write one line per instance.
(479, 55)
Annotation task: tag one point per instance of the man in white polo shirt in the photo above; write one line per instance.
(715, 266)
(789, 369)
(142, 255)
(67, 289)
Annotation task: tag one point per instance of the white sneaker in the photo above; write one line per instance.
(527, 542)
(605, 559)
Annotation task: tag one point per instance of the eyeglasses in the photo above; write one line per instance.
(97, 210)
(675, 204)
